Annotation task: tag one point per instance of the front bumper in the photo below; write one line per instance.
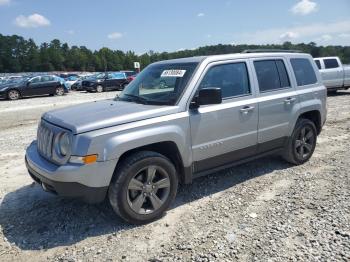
(86, 182)
(3, 94)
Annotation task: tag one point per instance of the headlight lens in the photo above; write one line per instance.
(64, 144)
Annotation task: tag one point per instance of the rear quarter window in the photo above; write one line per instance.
(330, 63)
(303, 71)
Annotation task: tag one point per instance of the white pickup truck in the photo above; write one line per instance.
(334, 74)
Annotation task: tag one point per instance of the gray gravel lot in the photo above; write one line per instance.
(260, 211)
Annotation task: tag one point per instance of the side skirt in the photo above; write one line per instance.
(236, 163)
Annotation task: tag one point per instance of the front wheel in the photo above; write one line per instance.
(99, 89)
(143, 187)
(301, 145)
(13, 95)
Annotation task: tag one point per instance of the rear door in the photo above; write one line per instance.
(226, 132)
(48, 85)
(120, 79)
(332, 73)
(110, 82)
(277, 101)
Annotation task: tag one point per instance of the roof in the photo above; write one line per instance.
(198, 59)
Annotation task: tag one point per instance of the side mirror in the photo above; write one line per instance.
(207, 96)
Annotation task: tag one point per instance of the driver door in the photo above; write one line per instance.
(224, 133)
(33, 86)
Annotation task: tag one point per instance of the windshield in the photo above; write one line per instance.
(159, 84)
(101, 76)
(17, 80)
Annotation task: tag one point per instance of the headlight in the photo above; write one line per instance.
(64, 144)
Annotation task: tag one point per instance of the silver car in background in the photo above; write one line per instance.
(334, 74)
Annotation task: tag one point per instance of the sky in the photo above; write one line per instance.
(163, 25)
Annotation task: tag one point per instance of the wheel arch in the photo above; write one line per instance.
(315, 117)
(169, 149)
(10, 89)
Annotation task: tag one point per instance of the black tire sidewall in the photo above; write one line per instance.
(301, 124)
(127, 172)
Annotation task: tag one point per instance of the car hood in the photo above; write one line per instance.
(105, 113)
(9, 85)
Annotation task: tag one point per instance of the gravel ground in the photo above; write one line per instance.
(264, 210)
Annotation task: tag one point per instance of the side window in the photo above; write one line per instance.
(318, 63)
(232, 78)
(330, 63)
(119, 76)
(35, 80)
(282, 71)
(303, 71)
(271, 74)
(46, 79)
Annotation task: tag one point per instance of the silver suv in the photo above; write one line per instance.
(213, 113)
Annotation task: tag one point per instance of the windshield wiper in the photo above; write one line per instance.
(135, 98)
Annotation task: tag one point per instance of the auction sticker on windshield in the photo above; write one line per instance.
(173, 73)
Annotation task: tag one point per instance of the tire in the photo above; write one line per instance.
(13, 94)
(99, 89)
(59, 91)
(143, 187)
(301, 145)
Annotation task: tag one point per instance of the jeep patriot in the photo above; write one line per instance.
(213, 113)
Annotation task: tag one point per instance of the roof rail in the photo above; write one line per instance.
(270, 51)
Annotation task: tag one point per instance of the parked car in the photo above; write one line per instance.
(220, 111)
(77, 86)
(129, 73)
(106, 82)
(335, 75)
(32, 86)
(131, 78)
(67, 75)
(71, 80)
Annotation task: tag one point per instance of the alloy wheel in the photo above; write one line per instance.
(99, 89)
(148, 190)
(59, 91)
(13, 95)
(305, 142)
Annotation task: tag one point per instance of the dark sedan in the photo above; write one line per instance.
(32, 86)
(105, 82)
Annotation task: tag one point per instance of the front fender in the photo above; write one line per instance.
(117, 145)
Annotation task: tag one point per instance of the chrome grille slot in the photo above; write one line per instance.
(45, 141)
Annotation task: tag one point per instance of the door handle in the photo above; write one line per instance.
(290, 100)
(247, 109)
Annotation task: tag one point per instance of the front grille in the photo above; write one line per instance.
(45, 138)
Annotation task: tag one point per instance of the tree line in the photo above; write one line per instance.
(24, 55)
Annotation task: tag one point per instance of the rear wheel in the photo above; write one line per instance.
(59, 91)
(13, 95)
(144, 186)
(302, 143)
